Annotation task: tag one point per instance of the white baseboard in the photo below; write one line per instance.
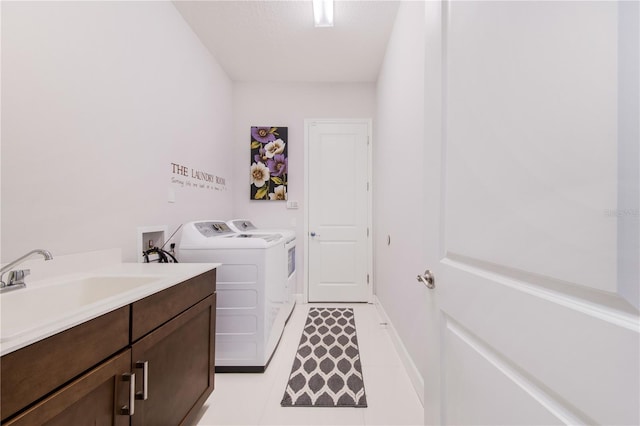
(414, 374)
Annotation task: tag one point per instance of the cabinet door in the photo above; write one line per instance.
(180, 360)
(93, 399)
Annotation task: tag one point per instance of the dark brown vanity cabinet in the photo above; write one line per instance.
(83, 376)
(179, 353)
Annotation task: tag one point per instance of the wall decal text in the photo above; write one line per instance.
(184, 176)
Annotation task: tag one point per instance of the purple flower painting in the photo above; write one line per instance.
(269, 163)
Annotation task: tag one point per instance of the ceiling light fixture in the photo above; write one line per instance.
(323, 13)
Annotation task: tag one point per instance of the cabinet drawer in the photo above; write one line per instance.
(94, 398)
(32, 372)
(151, 312)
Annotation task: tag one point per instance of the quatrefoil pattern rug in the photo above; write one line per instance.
(327, 371)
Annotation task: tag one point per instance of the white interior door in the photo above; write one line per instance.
(535, 309)
(339, 248)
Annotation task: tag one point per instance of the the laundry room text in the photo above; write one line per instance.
(184, 176)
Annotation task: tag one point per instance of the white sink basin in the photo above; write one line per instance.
(28, 309)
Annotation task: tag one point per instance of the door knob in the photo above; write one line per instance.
(427, 279)
(313, 234)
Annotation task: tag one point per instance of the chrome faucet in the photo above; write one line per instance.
(16, 277)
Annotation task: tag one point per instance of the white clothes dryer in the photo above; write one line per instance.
(250, 301)
(245, 226)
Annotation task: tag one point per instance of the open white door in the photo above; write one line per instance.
(535, 305)
(339, 205)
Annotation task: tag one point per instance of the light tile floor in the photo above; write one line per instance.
(254, 399)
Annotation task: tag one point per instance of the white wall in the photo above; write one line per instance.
(98, 99)
(398, 183)
(288, 105)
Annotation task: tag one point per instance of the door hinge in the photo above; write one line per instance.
(367, 232)
(367, 186)
(367, 279)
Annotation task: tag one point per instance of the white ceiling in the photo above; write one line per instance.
(276, 40)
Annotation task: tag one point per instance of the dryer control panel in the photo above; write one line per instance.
(213, 229)
(243, 225)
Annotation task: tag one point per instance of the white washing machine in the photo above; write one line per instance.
(244, 226)
(250, 301)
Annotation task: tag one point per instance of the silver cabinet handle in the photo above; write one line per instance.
(144, 394)
(427, 279)
(129, 410)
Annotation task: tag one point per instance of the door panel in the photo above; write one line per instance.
(481, 366)
(578, 353)
(521, 163)
(341, 271)
(334, 157)
(534, 325)
(339, 245)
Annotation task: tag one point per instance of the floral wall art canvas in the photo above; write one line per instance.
(269, 163)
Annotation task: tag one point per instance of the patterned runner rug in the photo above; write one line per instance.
(327, 371)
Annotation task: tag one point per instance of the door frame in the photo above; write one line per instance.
(307, 124)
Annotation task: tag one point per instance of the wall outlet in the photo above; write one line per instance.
(292, 204)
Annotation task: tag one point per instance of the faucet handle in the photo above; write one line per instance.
(17, 277)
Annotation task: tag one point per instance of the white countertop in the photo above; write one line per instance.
(65, 299)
